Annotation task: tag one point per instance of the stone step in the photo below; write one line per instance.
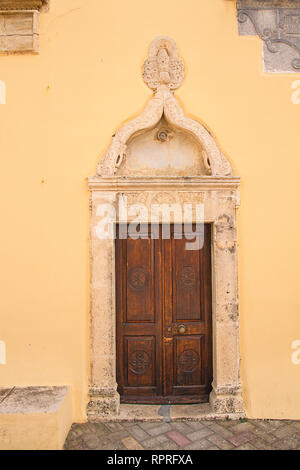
(35, 418)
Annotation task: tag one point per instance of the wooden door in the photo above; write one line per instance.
(163, 302)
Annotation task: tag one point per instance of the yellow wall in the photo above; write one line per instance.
(62, 108)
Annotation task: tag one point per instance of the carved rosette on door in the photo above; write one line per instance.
(139, 362)
(163, 294)
(187, 278)
(137, 278)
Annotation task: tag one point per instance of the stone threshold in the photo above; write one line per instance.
(165, 413)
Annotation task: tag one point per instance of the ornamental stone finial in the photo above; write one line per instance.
(163, 66)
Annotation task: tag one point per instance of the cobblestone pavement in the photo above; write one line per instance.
(186, 435)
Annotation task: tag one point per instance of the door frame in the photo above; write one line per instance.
(220, 198)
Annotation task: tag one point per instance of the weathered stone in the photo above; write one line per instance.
(33, 400)
(19, 25)
(33, 418)
(19, 31)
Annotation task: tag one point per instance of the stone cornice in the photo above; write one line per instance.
(163, 183)
(266, 4)
(22, 4)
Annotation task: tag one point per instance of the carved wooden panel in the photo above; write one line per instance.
(139, 352)
(139, 318)
(189, 360)
(188, 316)
(186, 281)
(140, 280)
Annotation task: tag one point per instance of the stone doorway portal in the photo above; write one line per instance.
(164, 159)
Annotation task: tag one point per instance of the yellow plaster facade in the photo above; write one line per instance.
(62, 107)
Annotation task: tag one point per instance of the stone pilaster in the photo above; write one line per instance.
(226, 395)
(104, 398)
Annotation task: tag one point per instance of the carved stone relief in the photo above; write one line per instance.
(277, 23)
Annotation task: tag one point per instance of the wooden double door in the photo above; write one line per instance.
(164, 320)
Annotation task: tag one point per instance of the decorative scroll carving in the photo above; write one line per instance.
(272, 38)
(163, 72)
(213, 159)
(164, 197)
(150, 116)
(277, 23)
(186, 197)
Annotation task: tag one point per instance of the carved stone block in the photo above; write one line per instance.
(19, 31)
(19, 25)
(277, 23)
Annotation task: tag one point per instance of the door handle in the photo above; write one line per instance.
(181, 329)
